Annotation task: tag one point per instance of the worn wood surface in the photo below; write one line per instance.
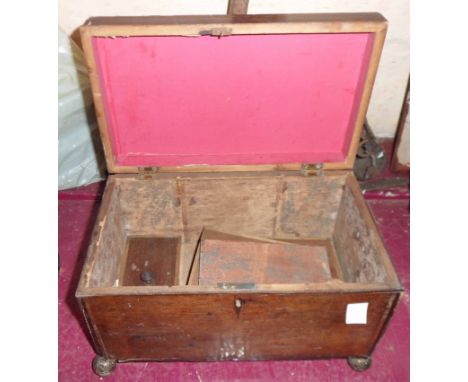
(267, 206)
(326, 22)
(334, 262)
(108, 245)
(354, 245)
(358, 242)
(402, 137)
(236, 24)
(238, 7)
(235, 327)
(158, 256)
(375, 236)
(237, 259)
(327, 209)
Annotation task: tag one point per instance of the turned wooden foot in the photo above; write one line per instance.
(359, 363)
(103, 366)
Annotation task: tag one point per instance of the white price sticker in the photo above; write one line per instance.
(356, 313)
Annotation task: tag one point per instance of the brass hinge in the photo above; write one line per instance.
(308, 168)
(147, 172)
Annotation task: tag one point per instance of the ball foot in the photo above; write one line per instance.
(103, 366)
(359, 363)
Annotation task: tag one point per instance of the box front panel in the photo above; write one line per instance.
(244, 326)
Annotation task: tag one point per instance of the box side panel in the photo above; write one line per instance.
(107, 243)
(358, 242)
(93, 332)
(231, 326)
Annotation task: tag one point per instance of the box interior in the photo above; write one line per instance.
(240, 99)
(155, 225)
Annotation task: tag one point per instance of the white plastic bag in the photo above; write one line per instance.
(80, 159)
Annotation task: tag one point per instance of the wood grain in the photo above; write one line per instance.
(237, 7)
(379, 39)
(211, 328)
(156, 255)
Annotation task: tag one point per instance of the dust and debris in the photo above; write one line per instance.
(116, 283)
(146, 263)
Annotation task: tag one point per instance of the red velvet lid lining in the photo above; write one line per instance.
(245, 99)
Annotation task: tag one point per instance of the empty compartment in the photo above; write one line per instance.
(300, 230)
(151, 261)
(232, 259)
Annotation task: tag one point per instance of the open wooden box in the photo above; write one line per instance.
(247, 125)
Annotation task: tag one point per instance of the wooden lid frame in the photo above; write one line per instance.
(236, 25)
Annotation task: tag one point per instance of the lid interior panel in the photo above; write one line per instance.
(241, 99)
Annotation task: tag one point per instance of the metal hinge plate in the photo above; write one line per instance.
(216, 32)
(312, 168)
(147, 172)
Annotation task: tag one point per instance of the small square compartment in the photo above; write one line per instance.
(150, 260)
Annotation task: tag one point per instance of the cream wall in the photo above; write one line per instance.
(390, 85)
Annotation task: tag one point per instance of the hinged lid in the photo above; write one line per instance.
(227, 93)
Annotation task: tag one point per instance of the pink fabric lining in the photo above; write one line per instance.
(236, 100)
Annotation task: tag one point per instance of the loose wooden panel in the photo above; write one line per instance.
(237, 259)
(157, 256)
(240, 326)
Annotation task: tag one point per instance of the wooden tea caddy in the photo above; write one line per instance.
(244, 124)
